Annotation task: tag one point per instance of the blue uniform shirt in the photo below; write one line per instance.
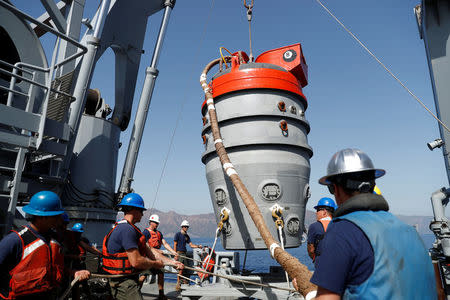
(182, 240)
(346, 258)
(315, 231)
(123, 238)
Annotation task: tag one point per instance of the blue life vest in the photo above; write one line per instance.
(402, 266)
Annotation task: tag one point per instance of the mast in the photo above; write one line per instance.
(433, 19)
(144, 102)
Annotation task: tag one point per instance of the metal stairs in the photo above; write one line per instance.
(32, 137)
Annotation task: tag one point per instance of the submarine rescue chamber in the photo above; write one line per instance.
(260, 110)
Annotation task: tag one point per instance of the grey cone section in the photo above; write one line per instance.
(272, 163)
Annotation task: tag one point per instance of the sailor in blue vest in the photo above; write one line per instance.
(367, 253)
(316, 231)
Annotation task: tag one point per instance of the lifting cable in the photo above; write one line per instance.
(224, 213)
(277, 214)
(383, 65)
(180, 113)
(231, 278)
(228, 277)
(292, 265)
(249, 18)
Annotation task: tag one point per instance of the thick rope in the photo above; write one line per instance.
(67, 291)
(381, 64)
(290, 264)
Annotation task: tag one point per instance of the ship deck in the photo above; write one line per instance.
(150, 291)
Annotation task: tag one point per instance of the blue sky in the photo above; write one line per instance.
(352, 101)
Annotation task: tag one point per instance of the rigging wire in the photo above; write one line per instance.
(249, 18)
(180, 113)
(217, 274)
(232, 278)
(383, 65)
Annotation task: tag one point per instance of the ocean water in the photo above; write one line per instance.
(260, 260)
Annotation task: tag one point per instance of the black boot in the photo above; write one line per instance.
(161, 295)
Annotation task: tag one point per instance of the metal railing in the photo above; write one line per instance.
(28, 73)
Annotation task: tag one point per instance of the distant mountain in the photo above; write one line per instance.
(421, 222)
(204, 225)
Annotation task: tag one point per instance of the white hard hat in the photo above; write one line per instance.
(154, 218)
(349, 161)
(185, 223)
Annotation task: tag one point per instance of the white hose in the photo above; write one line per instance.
(282, 247)
(204, 266)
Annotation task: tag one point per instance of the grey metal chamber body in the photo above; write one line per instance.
(273, 165)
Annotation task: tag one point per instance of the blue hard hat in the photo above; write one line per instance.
(326, 202)
(65, 217)
(133, 200)
(45, 204)
(77, 227)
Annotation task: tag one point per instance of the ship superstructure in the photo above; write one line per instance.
(55, 132)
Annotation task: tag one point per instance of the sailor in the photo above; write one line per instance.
(155, 239)
(324, 212)
(75, 248)
(180, 240)
(367, 253)
(125, 251)
(78, 245)
(31, 261)
(61, 227)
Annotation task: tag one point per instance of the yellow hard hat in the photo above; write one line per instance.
(376, 190)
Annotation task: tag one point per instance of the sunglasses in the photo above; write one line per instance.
(331, 188)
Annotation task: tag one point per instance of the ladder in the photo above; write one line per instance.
(31, 137)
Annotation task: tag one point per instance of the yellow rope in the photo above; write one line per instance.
(221, 55)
